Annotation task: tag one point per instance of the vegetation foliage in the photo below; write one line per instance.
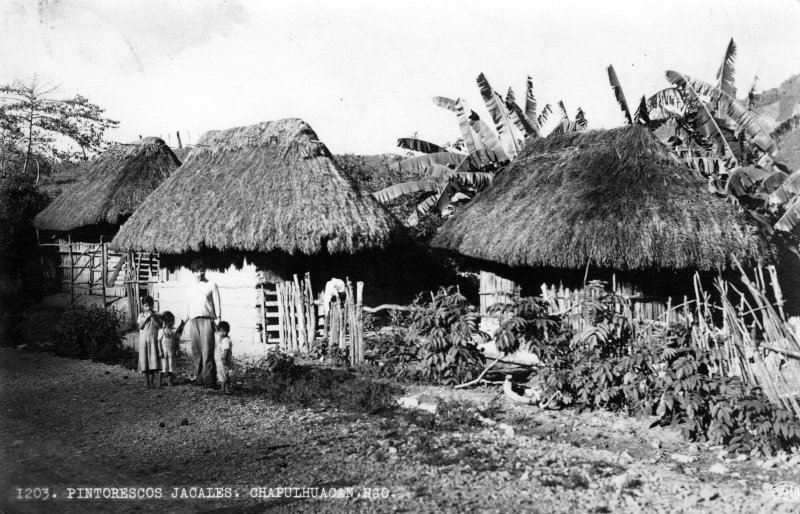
(88, 332)
(646, 371)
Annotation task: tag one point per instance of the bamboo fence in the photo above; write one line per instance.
(301, 320)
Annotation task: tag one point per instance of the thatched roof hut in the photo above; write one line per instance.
(113, 186)
(267, 187)
(616, 199)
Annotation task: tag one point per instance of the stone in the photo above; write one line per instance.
(620, 481)
(392, 450)
(771, 463)
(408, 402)
(683, 459)
(508, 430)
(692, 449)
(718, 468)
(656, 444)
(625, 458)
(708, 493)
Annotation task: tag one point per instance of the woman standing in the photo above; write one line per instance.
(203, 310)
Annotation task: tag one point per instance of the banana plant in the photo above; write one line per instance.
(450, 176)
(722, 138)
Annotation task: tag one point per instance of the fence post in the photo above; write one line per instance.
(71, 271)
(359, 321)
(103, 270)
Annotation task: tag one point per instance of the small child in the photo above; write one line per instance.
(223, 356)
(168, 341)
(149, 326)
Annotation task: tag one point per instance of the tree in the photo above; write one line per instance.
(448, 174)
(34, 122)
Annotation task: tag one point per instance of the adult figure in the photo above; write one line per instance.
(203, 311)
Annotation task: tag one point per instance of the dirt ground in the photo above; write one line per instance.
(71, 424)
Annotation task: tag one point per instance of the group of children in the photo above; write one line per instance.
(159, 341)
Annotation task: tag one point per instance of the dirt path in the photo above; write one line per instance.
(69, 424)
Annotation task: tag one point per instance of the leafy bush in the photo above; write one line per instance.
(648, 371)
(88, 333)
(445, 330)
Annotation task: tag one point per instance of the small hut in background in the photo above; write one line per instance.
(615, 204)
(262, 205)
(80, 222)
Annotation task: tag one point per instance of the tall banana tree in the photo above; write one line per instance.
(725, 140)
(448, 176)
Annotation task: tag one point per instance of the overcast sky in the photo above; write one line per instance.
(362, 73)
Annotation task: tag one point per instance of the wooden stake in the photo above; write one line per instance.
(71, 271)
(103, 270)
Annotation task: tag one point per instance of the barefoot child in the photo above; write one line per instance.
(148, 341)
(223, 356)
(168, 341)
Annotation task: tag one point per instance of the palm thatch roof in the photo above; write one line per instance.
(113, 186)
(616, 198)
(264, 187)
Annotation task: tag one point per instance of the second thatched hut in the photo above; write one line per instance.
(258, 204)
(610, 203)
(80, 222)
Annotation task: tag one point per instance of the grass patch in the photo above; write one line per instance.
(310, 386)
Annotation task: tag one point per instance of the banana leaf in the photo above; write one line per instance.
(748, 122)
(438, 171)
(475, 179)
(473, 143)
(481, 159)
(487, 136)
(497, 109)
(619, 95)
(702, 118)
(388, 194)
(510, 97)
(418, 145)
(642, 115)
(580, 120)
(791, 218)
(564, 114)
(667, 103)
(424, 161)
(788, 188)
(774, 181)
(542, 118)
(520, 121)
(745, 180)
(530, 101)
(725, 75)
(445, 103)
(784, 127)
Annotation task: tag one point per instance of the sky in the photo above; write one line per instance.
(362, 74)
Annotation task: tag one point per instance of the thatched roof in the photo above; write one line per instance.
(270, 186)
(614, 198)
(112, 186)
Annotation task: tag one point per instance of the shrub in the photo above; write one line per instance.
(88, 333)
(445, 330)
(650, 371)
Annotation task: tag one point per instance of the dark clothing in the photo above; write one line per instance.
(201, 335)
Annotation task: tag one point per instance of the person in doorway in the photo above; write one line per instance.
(203, 311)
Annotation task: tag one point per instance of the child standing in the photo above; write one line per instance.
(148, 341)
(223, 356)
(168, 341)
